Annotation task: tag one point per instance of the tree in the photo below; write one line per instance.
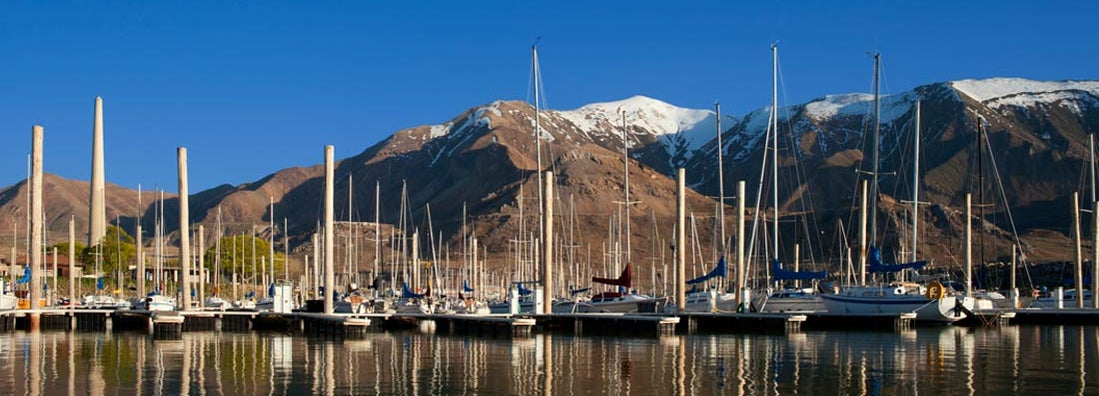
(114, 250)
(63, 248)
(236, 252)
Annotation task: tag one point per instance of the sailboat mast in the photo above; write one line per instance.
(626, 170)
(537, 131)
(350, 227)
(377, 227)
(271, 240)
(916, 184)
(720, 178)
(874, 157)
(774, 136)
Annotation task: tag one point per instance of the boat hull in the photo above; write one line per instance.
(943, 310)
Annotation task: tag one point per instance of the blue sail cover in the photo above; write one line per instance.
(780, 274)
(874, 263)
(719, 270)
(574, 292)
(407, 293)
(26, 276)
(466, 288)
(99, 283)
(523, 291)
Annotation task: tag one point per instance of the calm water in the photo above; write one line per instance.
(1050, 360)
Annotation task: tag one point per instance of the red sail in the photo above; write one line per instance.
(624, 280)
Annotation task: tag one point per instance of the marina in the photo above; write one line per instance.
(438, 199)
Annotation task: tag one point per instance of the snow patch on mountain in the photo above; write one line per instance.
(1019, 92)
(859, 105)
(643, 113)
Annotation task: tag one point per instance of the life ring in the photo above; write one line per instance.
(935, 291)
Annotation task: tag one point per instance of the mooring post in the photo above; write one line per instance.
(329, 248)
(36, 225)
(681, 240)
(547, 247)
(184, 230)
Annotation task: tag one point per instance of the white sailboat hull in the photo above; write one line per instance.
(941, 310)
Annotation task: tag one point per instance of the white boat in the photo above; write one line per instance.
(1068, 300)
(156, 302)
(7, 300)
(621, 303)
(793, 300)
(215, 302)
(931, 304)
(244, 304)
(352, 304)
(707, 301)
(103, 302)
(413, 306)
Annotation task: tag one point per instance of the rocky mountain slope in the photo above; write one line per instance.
(484, 160)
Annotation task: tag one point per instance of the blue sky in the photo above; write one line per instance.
(253, 87)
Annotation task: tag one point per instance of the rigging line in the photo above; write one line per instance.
(759, 190)
(1000, 185)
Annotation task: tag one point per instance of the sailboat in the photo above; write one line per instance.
(786, 299)
(215, 301)
(156, 300)
(7, 298)
(931, 303)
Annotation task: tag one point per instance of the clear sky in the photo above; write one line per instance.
(251, 87)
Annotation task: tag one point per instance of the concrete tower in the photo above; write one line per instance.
(97, 218)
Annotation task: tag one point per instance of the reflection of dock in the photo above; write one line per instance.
(741, 322)
(1054, 316)
(873, 322)
(609, 323)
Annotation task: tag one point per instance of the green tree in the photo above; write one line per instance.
(63, 248)
(236, 252)
(115, 249)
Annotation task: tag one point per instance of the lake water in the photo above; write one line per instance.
(1049, 360)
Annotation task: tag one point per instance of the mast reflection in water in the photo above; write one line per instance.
(941, 361)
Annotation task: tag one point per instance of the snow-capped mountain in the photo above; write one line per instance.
(484, 159)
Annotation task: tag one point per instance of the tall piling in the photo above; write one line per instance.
(184, 231)
(547, 246)
(72, 262)
(201, 266)
(97, 218)
(329, 248)
(681, 240)
(36, 223)
(741, 276)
